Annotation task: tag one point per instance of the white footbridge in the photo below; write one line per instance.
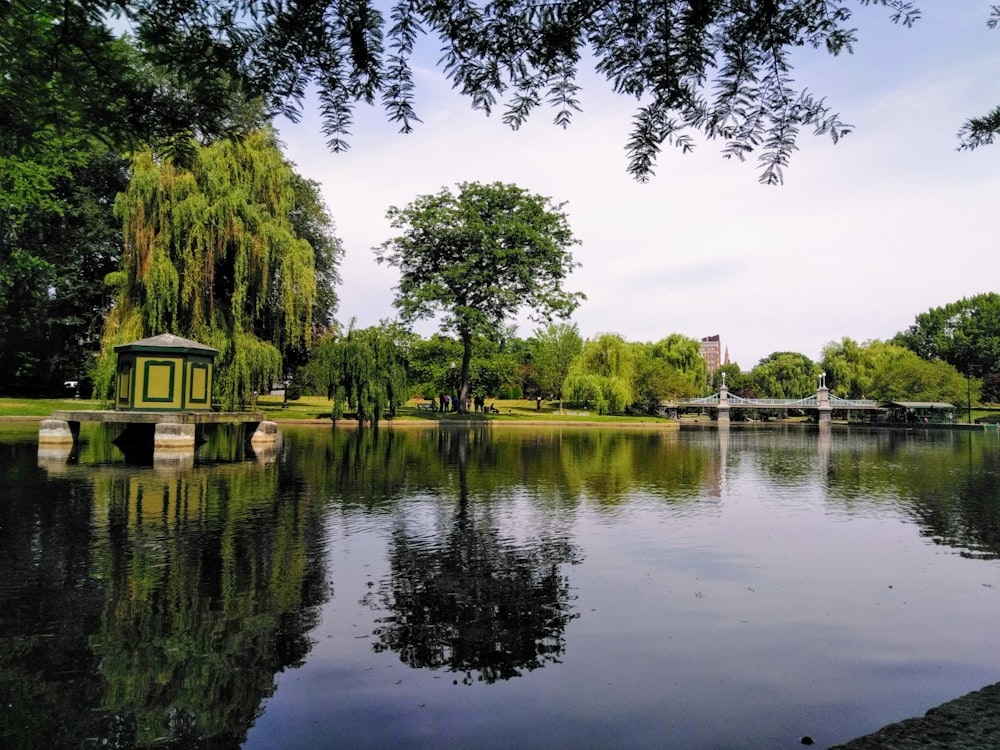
(821, 401)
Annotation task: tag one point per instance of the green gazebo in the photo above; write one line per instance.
(163, 383)
(164, 373)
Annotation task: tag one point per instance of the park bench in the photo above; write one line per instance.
(425, 406)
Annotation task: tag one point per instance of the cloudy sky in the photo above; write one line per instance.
(862, 237)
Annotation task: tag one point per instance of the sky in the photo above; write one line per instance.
(862, 237)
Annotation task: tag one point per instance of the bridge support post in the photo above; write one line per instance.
(723, 417)
(823, 402)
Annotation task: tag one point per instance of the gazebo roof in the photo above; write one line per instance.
(167, 342)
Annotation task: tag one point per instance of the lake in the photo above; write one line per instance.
(504, 587)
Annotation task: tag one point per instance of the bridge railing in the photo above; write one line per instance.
(809, 402)
(712, 400)
(858, 403)
(775, 402)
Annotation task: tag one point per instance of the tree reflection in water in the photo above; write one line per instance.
(153, 607)
(469, 600)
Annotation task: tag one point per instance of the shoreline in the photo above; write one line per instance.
(638, 423)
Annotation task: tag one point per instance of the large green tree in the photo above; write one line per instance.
(52, 294)
(365, 370)
(965, 334)
(602, 376)
(553, 350)
(785, 375)
(901, 375)
(478, 257)
(668, 369)
(850, 367)
(887, 371)
(211, 254)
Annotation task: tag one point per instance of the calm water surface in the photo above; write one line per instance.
(504, 588)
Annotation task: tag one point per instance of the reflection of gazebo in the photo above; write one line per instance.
(938, 412)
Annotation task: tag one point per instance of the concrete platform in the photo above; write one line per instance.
(172, 432)
(160, 417)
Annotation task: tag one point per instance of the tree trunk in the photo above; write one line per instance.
(463, 394)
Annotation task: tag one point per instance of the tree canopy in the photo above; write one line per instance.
(785, 375)
(211, 254)
(668, 369)
(720, 69)
(365, 369)
(886, 371)
(553, 350)
(965, 334)
(479, 256)
(602, 376)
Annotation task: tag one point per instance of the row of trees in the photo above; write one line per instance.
(611, 375)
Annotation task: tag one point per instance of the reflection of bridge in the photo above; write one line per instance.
(821, 401)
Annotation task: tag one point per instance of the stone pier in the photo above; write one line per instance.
(266, 434)
(174, 432)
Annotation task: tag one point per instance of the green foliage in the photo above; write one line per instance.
(901, 375)
(785, 375)
(990, 391)
(312, 222)
(671, 368)
(602, 376)
(735, 378)
(211, 254)
(479, 257)
(59, 123)
(510, 393)
(606, 395)
(366, 371)
(432, 367)
(432, 363)
(608, 356)
(886, 371)
(722, 69)
(965, 334)
(980, 131)
(51, 266)
(553, 350)
(851, 368)
(66, 70)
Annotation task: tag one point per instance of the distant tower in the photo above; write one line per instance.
(726, 362)
(711, 352)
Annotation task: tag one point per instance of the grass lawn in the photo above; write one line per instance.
(318, 407)
(43, 407)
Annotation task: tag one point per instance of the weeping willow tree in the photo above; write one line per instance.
(601, 376)
(210, 254)
(365, 371)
